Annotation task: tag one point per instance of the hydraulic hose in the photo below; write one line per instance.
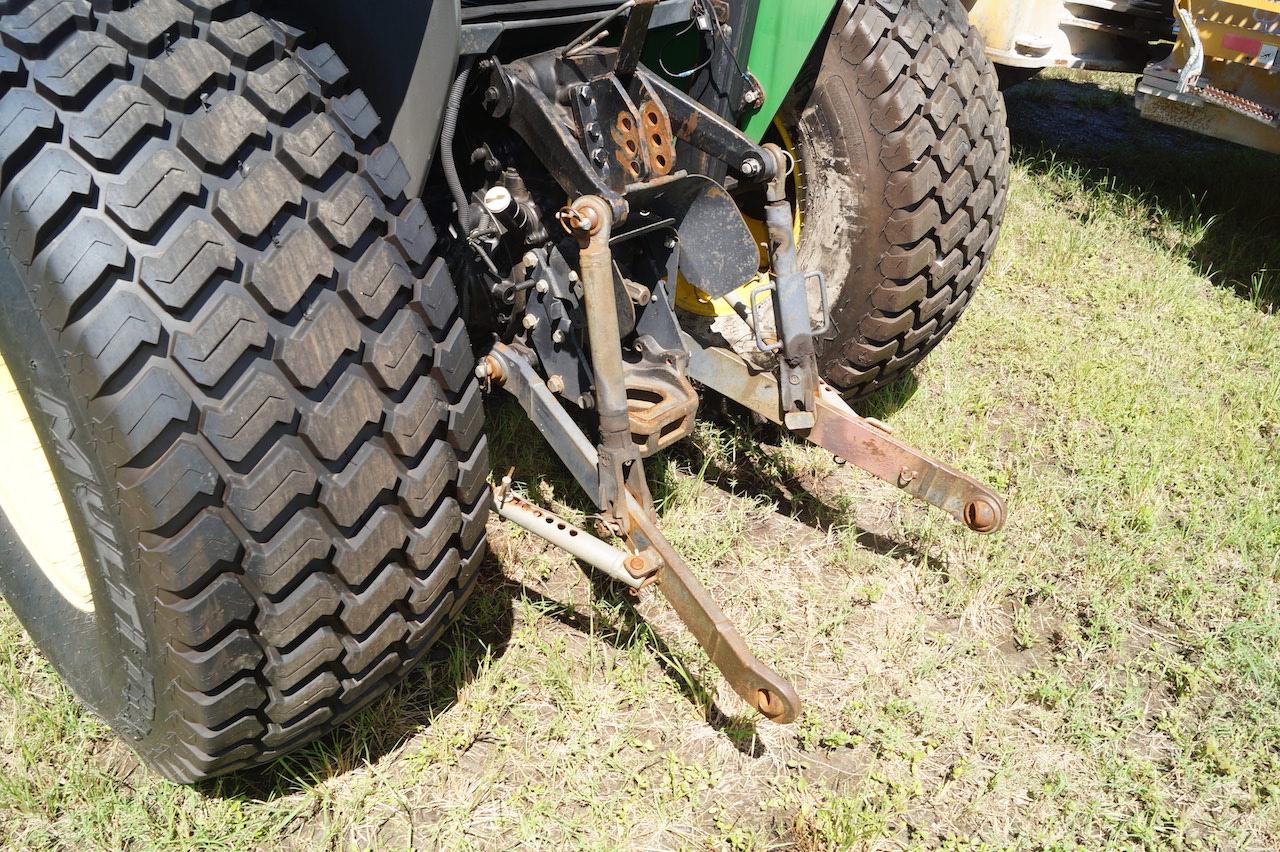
(448, 127)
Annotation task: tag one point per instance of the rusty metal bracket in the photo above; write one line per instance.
(839, 429)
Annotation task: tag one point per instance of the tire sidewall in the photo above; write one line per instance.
(102, 655)
(847, 208)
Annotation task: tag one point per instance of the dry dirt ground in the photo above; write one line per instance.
(1103, 673)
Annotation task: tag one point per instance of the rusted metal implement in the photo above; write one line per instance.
(612, 471)
(609, 130)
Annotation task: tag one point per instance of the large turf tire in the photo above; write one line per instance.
(904, 156)
(246, 363)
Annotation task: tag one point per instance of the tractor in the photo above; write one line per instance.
(263, 263)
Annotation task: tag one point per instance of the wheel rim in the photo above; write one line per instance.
(32, 502)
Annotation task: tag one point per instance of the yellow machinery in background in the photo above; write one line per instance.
(1208, 66)
(1223, 76)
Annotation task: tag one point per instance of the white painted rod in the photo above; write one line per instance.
(564, 535)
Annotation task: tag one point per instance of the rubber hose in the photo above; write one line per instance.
(448, 126)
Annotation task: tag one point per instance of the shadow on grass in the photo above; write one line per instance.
(753, 470)
(1220, 198)
(630, 628)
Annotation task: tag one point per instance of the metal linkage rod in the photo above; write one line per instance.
(576, 542)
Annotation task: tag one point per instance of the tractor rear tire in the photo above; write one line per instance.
(242, 356)
(899, 129)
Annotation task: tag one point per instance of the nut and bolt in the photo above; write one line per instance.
(751, 167)
(490, 370)
(530, 322)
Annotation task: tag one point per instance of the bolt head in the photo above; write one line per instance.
(530, 260)
(555, 384)
(557, 336)
(530, 322)
(573, 277)
(542, 286)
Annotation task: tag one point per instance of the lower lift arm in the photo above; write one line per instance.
(653, 560)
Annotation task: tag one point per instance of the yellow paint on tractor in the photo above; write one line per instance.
(690, 298)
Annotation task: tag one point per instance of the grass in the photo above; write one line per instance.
(1103, 673)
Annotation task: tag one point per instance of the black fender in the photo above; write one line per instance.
(403, 54)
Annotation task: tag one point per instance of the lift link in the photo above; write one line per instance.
(591, 221)
(798, 364)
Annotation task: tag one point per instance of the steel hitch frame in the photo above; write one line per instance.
(607, 130)
(612, 472)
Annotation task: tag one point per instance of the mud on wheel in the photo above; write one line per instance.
(899, 130)
(230, 332)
